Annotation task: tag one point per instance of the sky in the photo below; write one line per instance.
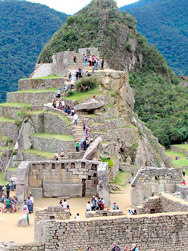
(72, 6)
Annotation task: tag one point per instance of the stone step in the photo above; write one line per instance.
(38, 97)
(53, 142)
(9, 128)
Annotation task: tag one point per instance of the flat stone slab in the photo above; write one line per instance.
(89, 105)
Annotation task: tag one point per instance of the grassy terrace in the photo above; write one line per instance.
(6, 148)
(121, 178)
(16, 105)
(177, 163)
(38, 91)
(47, 155)
(61, 116)
(48, 77)
(183, 146)
(2, 181)
(54, 136)
(82, 96)
(36, 112)
(4, 119)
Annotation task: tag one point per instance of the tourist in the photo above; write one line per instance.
(115, 247)
(102, 203)
(14, 204)
(87, 143)
(84, 144)
(88, 206)
(8, 204)
(56, 156)
(72, 112)
(74, 60)
(64, 204)
(134, 248)
(25, 210)
(62, 154)
(68, 209)
(77, 146)
(68, 110)
(79, 72)
(183, 173)
(60, 107)
(115, 206)
(89, 249)
(99, 203)
(28, 219)
(184, 183)
(70, 75)
(32, 199)
(54, 104)
(85, 60)
(60, 202)
(134, 212)
(75, 118)
(59, 93)
(1, 190)
(63, 104)
(102, 64)
(7, 190)
(29, 205)
(77, 216)
(125, 248)
(88, 74)
(130, 212)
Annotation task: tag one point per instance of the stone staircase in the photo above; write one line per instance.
(78, 130)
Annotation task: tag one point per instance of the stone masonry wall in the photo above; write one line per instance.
(23, 247)
(9, 129)
(161, 232)
(41, 84)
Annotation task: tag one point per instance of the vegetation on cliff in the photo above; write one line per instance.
(158, 101)
(165, 24)
(24, 29)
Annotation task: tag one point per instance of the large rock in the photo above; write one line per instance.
(94, 150)
(22, 222)
(89, 105)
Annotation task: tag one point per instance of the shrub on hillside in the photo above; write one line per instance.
(86, 84)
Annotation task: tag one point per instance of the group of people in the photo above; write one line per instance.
(92, 61)
(115, 247)
(95, 204)
(28, 204)
(85, 141)
(8, 204)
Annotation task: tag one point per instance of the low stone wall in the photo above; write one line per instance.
(55, 124)
(41, 84)
(109, 124)
(178, 149)
(38, 98)
(151, 205)
(128, 168)
(52, 145)
(23, 247)
(103, 213)
(183, 191)
(9, 129)
(38, 122)
(160, 232)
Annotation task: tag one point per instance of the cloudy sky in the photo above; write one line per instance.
(72, 6)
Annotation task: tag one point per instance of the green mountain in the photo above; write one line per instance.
(24, 29)
(165, 24)
(160, 101)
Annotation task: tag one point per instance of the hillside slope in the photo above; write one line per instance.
(165, 24)
(159, 101)
(24, 29)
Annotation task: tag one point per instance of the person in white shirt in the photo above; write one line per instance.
(32, 199)
(64, 204)
(56, 156)
(77, 216)
(88, 206)
(75, 117)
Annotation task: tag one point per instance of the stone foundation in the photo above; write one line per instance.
(103, 213)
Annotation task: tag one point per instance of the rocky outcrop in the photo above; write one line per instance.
(89, 105)
(94, 150)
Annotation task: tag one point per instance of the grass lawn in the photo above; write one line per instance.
(4, 119)
(16, 105)
(177, 163)
(6, 148)
(2, 181)
(47, 155)
(121, 178)
(183, 146)
(38, 91)
(36, 112)
(54, 136)
(61, 116)
(5, 138)
(82, 96)
(47, 77)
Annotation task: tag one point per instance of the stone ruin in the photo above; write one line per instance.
(71, 178)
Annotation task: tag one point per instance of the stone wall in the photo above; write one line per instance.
(71, 178)
(23, 247)
(178, 149)
(38, 98)
(160, 232)
(103, 213)
(183, 190)
(9, 129)
(41, 84)
(151, 181)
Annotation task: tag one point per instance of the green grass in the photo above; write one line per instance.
(54, 136)
(61, 116)
(5, 138)
(48, 155)
(109, 161)
(6, 148)
(177, 163)
(121, 178)
(13, 169)
(2, 181)
(36, 112)
(82, 96)
(4, 119)
(38, 91)
(47, 77)
(182, 146)
(16, 105)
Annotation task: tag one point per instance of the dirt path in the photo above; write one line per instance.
(8, 222)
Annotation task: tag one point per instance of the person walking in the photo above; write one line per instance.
(77, 146)
(75, 117)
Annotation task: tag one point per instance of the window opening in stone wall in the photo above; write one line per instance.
(53, 166)
(52, 217)
(89, 177)
(156, 178)
(152, 211)
(94, 167)
(83, 187)
(83, 165)
(72, 165)
(43, 166)
(95, 175)
(62, 166)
